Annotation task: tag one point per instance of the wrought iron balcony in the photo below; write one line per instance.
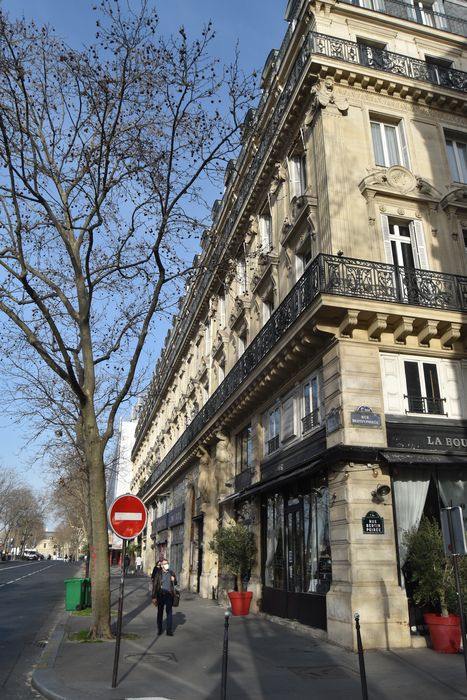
(311, 420)
(425, 404)
(414, 13)
(272, 445)
(388, 61)
(327, 275)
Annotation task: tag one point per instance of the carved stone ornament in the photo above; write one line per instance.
(322, 95)
(400, 178)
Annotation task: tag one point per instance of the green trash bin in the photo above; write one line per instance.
(87, 593)
(74, 593)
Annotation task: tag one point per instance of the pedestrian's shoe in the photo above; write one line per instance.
(159, 632)
(170, 634)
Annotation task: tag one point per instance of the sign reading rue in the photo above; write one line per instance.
(365, 416)
(373, 523)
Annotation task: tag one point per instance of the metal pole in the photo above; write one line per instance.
(455, 561)
(119, 617)
(361, 660)
(225, 656)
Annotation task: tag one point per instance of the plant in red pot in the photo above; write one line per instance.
(234, 544)
(432, 572)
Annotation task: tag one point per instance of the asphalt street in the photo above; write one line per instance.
(31, 599)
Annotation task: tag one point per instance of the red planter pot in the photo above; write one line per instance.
(240, 602)
(445, 632)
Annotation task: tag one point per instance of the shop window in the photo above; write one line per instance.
(274, 570)
(297, 175)
(272, 437)
(389, 142)
(311, 404)
(422, 385)
(457, 156)
(244, 450)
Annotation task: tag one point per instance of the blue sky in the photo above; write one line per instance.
(257, 25)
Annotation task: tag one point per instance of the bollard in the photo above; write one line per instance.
(361, 660)
(225, 656)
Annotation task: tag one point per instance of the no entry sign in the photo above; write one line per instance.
(127, 516)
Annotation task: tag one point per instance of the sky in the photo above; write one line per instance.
(257, 25)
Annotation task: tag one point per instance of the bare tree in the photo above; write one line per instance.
(104, 154)
(22, 517)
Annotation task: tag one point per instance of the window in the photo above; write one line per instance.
(244, 450)
(221, 309)
(311, 404)
(265, 232)
(241, 275)
(242, 342)
(404, 243)
(370, 4)
(304, 254)
(207, 336)
(431, 14)
(297, 175)
(423, 394)
(273, 422)
(438, 69)
(457, 155)
(268, 308)
(371, 53)
(220, 373)
(389, 143)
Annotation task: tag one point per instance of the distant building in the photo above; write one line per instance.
(48, 545)
(314, 385)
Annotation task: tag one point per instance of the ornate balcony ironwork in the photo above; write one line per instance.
(425, 404)
(330, 275)
(311, 420)
(426, 16)
(388, 61)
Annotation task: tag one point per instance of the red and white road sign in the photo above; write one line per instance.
(128, 516)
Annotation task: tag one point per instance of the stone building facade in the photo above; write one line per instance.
(314, 385)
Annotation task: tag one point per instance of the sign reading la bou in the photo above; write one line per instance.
(127, 516)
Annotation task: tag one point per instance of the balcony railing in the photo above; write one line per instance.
(425, 404)
(330, 275)
(272, 445)
(311, 420)
(425, 16)
(388, 61)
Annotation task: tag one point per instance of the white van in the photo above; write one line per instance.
(30, 554)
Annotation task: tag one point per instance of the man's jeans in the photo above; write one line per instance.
(164, 598)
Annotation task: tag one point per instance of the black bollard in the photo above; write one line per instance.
(225, 656)
(361, 660)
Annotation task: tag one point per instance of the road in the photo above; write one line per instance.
(31, 597)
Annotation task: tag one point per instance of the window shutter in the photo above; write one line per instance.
(403, 144)
(418, 243)
(294, 176)
(288, 422)
(387, 239)
(392, 389)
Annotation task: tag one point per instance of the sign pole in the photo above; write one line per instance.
(119, 617)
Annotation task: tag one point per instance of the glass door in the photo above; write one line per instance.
(294, 544)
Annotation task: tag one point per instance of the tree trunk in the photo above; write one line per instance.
(99, 560)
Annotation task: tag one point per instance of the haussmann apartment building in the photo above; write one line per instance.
(314, 383)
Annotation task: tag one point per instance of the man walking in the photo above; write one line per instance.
(163, 595)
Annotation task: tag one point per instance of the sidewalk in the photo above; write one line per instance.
(266, 660)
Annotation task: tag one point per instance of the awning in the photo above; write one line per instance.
(428, 458)
(270, 484)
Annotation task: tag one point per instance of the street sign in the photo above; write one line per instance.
(127, 516)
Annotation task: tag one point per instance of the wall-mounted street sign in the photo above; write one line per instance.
(366, 417)
(373, 523)
(127, 516)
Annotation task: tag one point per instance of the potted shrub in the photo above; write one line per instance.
(235, 546)
(432, 572)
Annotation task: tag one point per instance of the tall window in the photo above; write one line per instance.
(273, 427)
(297, 175)
(221, 309)
(304, 254)
(423, 394)
(457, 155)
(244, 450)
(242, 342)
(389, 143)
(311, 404)
(241, 275)
(431, 14)
(265, 232)
(268, 308)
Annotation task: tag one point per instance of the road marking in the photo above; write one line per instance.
(7, 583)
(5, 568)
(128, 516)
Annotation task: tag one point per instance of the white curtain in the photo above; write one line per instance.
(410, 489)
